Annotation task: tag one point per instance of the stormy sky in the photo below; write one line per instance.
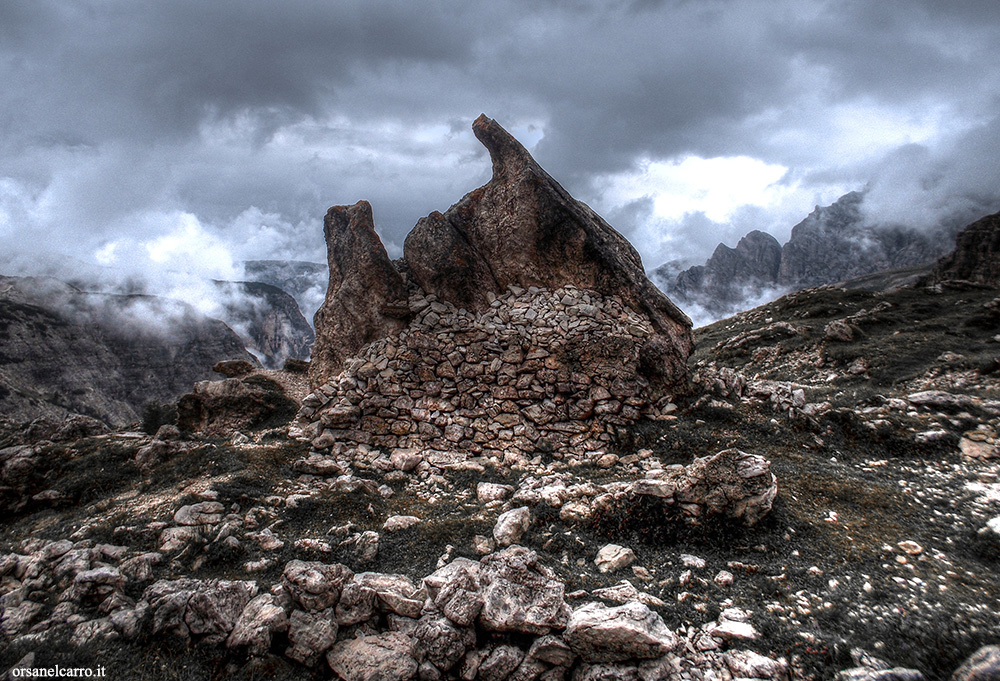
(193, 134)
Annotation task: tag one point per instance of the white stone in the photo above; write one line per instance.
(724, 578)
(733, 623)
(512, 525)
(613, 557)
(396, 523)
(601, 634)
(489, 491)
(694, 562)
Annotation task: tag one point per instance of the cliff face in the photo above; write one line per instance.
(268, 320)
(832, 244)
(64, 352)
(756, 259)
(304, 281)
(976, 257)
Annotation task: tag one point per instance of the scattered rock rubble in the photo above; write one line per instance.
(503, 617)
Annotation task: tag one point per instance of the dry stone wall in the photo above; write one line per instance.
(539, 370)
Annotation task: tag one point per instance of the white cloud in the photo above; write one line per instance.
(715, 187)
(188, 247)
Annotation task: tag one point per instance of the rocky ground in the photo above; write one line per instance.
(877, 413)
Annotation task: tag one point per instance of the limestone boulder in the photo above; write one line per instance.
(442, 642)
(386, 657)
(192, 607)
(311, 634)
(455, 590)
(982, 665)
(393, 593)
(520, 594)
(218, 408)
(314, 585)
(732, 483)
(512, 525)
(632, 631)
(257, 624)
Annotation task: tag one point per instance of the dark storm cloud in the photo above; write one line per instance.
(145, 69)
(125, 122)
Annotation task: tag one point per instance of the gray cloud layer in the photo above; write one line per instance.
(129, 126)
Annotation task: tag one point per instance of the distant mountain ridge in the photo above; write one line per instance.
(833, 243)
(269, 321)
(303, 280)
(64, 351)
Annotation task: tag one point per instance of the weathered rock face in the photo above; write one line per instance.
(304, 281)
(268, 320)
(731, 273)
(221, 407)
(976, 257)
(523, 229)
(364, 293)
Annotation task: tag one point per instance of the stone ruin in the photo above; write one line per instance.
(517, 322)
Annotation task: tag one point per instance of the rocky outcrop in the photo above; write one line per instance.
(517, 320)
(976, 257)
(521, 229)
(63, 351)
(731, 274)
(304, 281)
(731, 486)
(222, 407)
(366, 299)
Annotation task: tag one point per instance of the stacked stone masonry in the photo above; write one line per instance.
(538, 371)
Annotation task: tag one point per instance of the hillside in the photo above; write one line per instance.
(542, 479)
